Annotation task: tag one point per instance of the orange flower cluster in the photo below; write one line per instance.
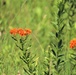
(73, 43)
(20, 31)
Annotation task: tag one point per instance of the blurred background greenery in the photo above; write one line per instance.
(38, 15)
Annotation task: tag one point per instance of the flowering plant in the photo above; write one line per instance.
(73, 54)
(27, 57)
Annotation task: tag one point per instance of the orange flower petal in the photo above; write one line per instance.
(28, 31)
(13, 31)
(21, 32)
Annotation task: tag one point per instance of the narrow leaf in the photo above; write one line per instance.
(61, 55)
(60, 43)
(53, 52)
(14, 38)
(19, 47)
(23, 60)
(57, 35)
(27, 71)
(61, 29)
(58, 62)
(73, 54)
(62, 61)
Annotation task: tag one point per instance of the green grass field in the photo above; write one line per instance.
(53, 25)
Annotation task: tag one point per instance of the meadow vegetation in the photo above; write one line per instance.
(53, 25)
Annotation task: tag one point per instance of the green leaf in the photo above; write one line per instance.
(19, 47)
(14, 38)
(57, 34)
(28, 55)
(62, 61)
(73, 54)
(53, 52)
(61, 29)
(60, 43)
(60, 55)
(58, 62)
(27, 71)
(23, 59)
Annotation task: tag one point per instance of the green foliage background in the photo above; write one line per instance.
(41, 17)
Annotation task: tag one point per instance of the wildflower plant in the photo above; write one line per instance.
(73, 55)
(23, 44)
(57, 53)
(58, 43)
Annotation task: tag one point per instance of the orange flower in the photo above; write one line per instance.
(13, 31)
(73, 43)
(21, 32)
(28, 31)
